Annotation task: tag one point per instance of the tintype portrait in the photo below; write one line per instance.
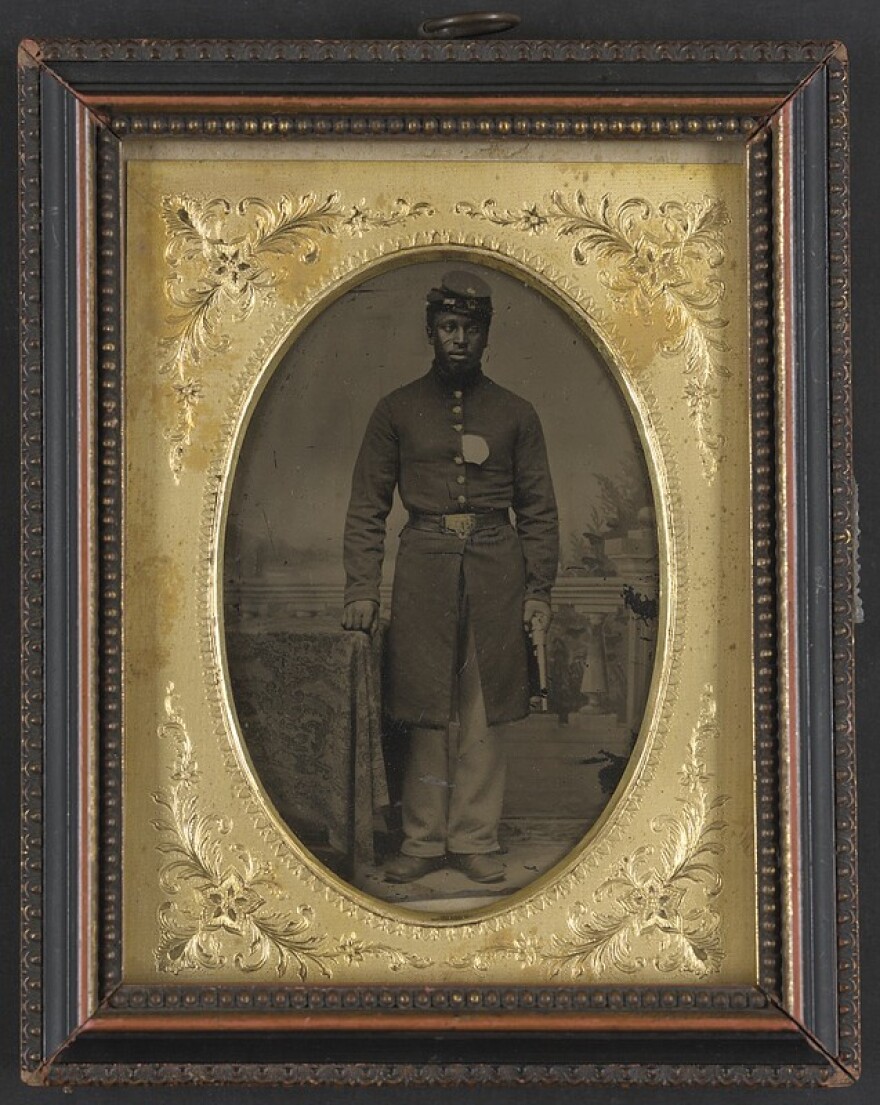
(441, 584)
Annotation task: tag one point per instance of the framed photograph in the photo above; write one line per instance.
(438, 564)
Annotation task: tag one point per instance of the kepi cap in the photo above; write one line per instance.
(464, 292)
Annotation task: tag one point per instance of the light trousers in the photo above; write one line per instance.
(453, 782)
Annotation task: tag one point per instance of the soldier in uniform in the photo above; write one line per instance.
(470, 581)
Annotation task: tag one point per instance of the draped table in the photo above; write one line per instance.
(308, 702)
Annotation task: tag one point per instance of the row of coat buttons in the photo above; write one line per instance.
(458, 410)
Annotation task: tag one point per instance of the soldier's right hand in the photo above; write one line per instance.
(361, 614)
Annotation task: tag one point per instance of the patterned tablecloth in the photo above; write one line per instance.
(308, 703)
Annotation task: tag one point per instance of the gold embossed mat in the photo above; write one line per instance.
(230, 261)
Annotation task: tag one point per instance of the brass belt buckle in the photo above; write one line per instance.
(462, 525)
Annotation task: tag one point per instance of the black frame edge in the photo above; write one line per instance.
(61, 540)
(824, 494)
(811, 325)
(843, 568)
(838, 703)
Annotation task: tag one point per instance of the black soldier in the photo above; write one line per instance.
(468, 586)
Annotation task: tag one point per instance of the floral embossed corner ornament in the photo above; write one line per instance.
(661, 262)
(219, 909)
(656, 908)
(659, 909)
(223, 257)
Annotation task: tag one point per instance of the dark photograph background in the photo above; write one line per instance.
(857, 24)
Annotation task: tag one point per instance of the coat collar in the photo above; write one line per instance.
(447, 385)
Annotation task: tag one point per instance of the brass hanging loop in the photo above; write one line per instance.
(468, 25)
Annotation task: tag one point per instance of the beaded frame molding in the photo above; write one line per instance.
(786, 104)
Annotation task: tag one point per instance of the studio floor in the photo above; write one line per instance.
(557, 787)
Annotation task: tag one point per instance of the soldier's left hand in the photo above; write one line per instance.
(536, 612)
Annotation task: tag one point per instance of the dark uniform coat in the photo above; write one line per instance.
(426, 439)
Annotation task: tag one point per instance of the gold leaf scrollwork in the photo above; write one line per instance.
(661, 892)
(222, 258)
(655, 908)
(524, 949)
(662, 261)
(218, 910)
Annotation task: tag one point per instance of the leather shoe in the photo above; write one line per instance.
(410, 868)
(480, 867)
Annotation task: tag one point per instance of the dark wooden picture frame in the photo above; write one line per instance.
(787, 103)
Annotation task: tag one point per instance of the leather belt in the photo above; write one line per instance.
(459, 525)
